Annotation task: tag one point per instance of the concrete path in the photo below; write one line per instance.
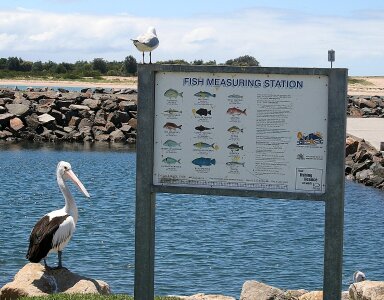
(370, 129)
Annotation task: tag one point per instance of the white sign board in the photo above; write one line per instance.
(264, 132)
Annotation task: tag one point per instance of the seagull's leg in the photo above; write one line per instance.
(150, 57)
(143, 58)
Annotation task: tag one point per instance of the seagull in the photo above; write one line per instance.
(358, 276)
(147, 42)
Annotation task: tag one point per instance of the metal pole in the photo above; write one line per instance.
(334, 205)
(145, 199)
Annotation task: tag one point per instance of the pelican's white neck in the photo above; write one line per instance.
(70, 204)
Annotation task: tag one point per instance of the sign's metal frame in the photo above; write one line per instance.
(333, 196)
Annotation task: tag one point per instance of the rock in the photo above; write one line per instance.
(17, 109)
(33, 280)
(110, 127)
(206, 297)
(74, 121)
(92, 103)
(79, 107)
(254, 290)
(46, 118)
(117, 136)
(43, 108)
(367, 103)
(367, 290)
(133, 123)
(5, 134)
(16, 124)
(32, 122)
(126, 128)
(127, 106)
(315, 295)
(61, 90)
(377, 169)
(123, 117)
(351, 145)
(84, 123)
(100, 118)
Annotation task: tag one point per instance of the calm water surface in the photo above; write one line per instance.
(203, 244)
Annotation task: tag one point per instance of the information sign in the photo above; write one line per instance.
(241, 131)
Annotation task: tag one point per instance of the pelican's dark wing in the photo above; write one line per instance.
(40, 241)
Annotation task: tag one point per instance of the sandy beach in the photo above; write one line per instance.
(370, 86)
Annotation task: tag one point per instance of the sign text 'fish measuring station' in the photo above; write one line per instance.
(234, 131)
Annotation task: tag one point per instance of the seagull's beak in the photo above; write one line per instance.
(76, 181)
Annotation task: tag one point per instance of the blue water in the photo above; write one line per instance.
(203, 243)
(24, 87)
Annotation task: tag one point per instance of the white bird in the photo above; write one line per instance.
(147, 42)
(358, 276)
(53, 231)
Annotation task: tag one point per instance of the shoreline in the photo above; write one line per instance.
(371, 85)
(126, 82)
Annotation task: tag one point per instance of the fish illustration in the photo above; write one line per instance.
(236, 111)
(171, 126)
(172, 94)
(235, 147)
(202, 145)
(235, 129)
(205, 95)
(235, 163)
(172, 111)
(204, 161)
(235, 96)
(171, 160)
(171, 143)
(201, 112)
(202, 128)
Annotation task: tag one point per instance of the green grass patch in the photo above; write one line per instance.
(358, 81)
(91, 297)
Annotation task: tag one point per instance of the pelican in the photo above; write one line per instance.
(53, 231)
(358, 276)
(147, 42)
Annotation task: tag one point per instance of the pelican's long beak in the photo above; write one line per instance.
(76, 181)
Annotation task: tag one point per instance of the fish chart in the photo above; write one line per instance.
(264, 132)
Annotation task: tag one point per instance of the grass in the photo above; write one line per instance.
(352, 80)
(91, 297)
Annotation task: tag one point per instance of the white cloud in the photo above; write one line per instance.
(274, 37)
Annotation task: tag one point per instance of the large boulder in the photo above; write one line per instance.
(367, 290)
(254, 290)
(35, 280)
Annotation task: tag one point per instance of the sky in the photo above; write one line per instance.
(278, 33)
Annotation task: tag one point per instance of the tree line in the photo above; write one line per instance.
(14, 66)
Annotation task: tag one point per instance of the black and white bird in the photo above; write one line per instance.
(53, 231)
(147, 42)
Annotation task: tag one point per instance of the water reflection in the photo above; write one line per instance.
(61, 146)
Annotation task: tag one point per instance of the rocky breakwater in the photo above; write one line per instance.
(364, 163)
(365, 106)
(108, 115)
